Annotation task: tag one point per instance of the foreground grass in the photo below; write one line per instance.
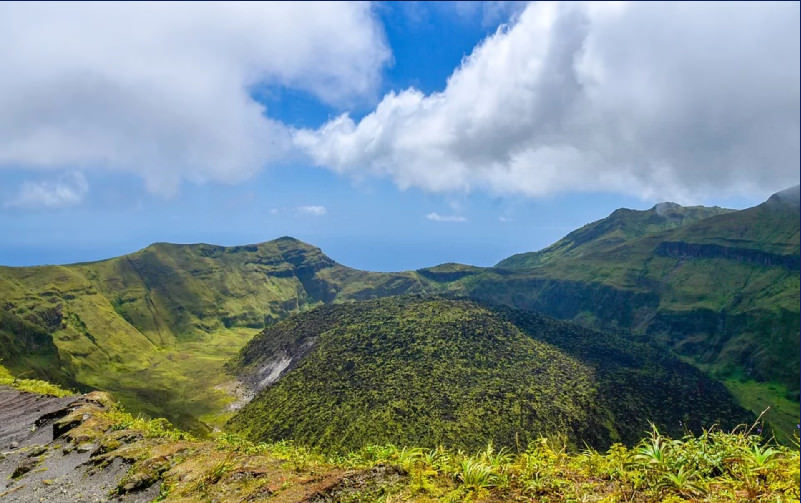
(714, 466)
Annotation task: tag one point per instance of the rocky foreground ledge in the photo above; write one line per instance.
(86, 449)
(50, 454)
(83, 449)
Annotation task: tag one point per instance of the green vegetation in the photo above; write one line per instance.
(719, 288)
(622, 226)
(713, 467)
(32, 385)
(156, 326)
(431, 371)
(722, 290)
(27, 350)
(782, 412)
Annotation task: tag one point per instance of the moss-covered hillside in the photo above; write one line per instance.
(429, 371)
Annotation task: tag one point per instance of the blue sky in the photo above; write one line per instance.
(551, 118)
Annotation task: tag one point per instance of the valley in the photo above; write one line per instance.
(400, 252)
(717, 288)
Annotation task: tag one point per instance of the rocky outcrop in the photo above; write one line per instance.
(677, 249)
(83, 449)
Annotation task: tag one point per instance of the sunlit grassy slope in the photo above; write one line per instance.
(156, 326)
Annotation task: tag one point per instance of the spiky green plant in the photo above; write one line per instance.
(653, 451)
(475, 474)
(684, 481)
(760, 457)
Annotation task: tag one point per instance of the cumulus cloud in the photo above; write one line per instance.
(656, 100)
(68, 190)
(162, 89)
(316, 211)
(436, 217)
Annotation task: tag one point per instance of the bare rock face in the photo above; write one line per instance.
(23, 414)
(41, 461)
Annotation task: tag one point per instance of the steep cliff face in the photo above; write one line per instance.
(734, 338)
(678, 249)
(756, 344)
(28, 350)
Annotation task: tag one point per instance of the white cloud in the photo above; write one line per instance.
(666, 100)
(504, 220)
(68, 190)
(162, 89)
(436, 217)
(316, 211)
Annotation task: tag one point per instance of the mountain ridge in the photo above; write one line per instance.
(621, 225)
(155, 324)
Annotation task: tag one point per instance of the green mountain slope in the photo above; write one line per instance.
(722, 291)
(156, 326)
(622, 226)
(430, 371)
(719, 287)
